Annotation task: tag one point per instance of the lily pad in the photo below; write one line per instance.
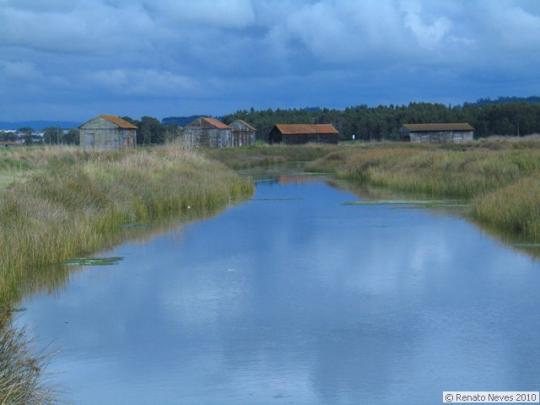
(94, 261)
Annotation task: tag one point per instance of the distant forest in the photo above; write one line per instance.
(503, 116)
(513, 116)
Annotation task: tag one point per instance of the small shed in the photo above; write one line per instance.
(108, 132)
(294, 134)
(243, 133)
(208, 132)
(437, 132)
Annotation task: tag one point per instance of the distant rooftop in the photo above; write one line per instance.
(213, 122)
(301, 129)
(122, 123)
(247, 125)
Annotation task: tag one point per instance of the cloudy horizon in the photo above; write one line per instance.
(72, 59)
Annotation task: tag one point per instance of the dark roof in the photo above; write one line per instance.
(454, 126)
(120, 122)
(246, 124)
(306, 129)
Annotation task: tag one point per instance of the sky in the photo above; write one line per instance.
(74, 59)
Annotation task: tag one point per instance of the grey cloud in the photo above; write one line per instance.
(145, 82)
(183, 57)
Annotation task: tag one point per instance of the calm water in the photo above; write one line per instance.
(295, 298)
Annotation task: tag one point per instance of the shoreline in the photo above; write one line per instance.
(73, 203)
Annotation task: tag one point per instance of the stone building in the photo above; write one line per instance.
(107, 132)
(437, 132)
(303, 133)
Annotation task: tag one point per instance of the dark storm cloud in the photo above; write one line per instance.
(71, 59)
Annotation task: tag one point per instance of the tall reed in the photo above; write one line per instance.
(20, 370)
(501, 177)
(74, 202)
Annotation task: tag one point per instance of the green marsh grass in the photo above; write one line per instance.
(268, 155)
(72, 202)
(514, 208)
(61, 203)
(500, 178)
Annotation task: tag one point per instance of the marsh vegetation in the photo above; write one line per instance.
(69, 202)
(20, 369)
(60, 204)
(499, 176)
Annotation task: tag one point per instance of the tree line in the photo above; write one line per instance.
(58, 136)
(510, 116)
(515, 118)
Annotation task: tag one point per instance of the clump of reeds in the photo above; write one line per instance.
(76, 202)
(503, 181)
(20, 371)
(432, 171)
(514, 208)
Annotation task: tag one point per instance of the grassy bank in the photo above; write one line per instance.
(69, 203)
(266, 155)
(502, 179)
(58, 203)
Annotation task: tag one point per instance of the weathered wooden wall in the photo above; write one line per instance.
(276, 137)
(441, 137)
(195, 136)
(242, 134)
(306, 138)
(99, 133)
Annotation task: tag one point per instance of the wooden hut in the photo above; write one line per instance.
(294, 134)
(437, 132)
(108, 132)
(243, 133)
(208, 132)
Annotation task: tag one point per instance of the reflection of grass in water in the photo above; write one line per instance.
(277, 199)
(503, 184)
(412, 203)
(75, 202)
(94, 261)
(527, 245)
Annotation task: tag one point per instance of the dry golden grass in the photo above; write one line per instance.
(61, 202)
(20, 370)
(73, 202)
(514, 208)
(500, 175)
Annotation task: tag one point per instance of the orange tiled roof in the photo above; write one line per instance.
(122, 123)
(304, 129)
(215, 123)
